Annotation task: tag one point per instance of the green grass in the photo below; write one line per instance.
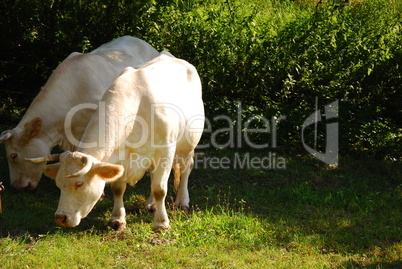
(304, 216)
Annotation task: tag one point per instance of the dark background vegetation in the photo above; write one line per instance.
(276, 57)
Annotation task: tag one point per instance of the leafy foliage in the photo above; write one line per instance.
(274, 56)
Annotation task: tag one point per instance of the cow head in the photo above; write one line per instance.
(81, 179)
(21, 143)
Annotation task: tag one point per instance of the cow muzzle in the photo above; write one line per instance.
(24, 185)
(64, 221)
(61, 220)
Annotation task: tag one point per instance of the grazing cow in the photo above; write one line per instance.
(80, 78)
(151, 118)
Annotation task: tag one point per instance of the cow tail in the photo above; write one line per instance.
(176, 168)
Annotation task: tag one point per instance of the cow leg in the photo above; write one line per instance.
(182, 197)
(159, 185)
(151, 200)
(151, 203)
(118, 219)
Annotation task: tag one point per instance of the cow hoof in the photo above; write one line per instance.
(117, 225)
(185, 209)
(160, 226)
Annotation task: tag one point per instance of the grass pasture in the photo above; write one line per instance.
(304, 216)
(269, 57)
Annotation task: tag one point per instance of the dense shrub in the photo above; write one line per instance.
(276, 57)
(37, 35)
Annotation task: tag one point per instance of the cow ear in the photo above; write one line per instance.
(51, 170)
(6, 135)
(33, 128)
(108, 172)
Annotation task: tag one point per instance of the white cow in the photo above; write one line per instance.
(80, 78)
(151, 119)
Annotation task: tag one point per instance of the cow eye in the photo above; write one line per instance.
(13, 156)
(78, 184)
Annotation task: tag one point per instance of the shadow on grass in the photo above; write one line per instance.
(32, 213)
(352, 209)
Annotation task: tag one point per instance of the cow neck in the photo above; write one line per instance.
(65, 144)
(50, 139)
(101, 154)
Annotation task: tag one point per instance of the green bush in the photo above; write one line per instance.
(275, 56)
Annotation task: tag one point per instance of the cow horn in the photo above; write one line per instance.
(6, 135)
(87, 166)
(51, 158)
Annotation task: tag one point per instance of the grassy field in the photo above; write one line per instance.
(276, 57)
(303, 216)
